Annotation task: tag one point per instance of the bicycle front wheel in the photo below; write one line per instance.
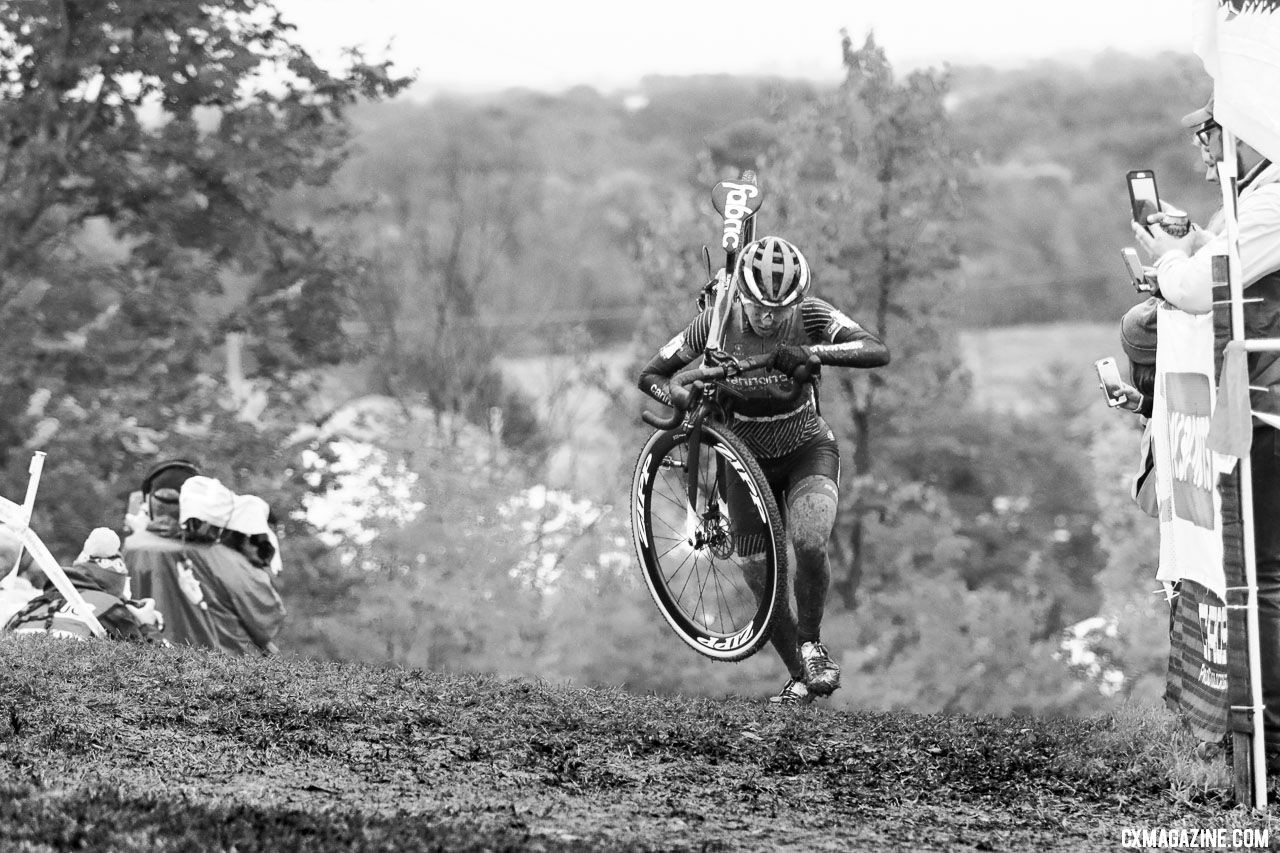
(716, 569)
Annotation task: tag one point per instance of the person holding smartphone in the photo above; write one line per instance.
(1183, 265)
(1183, 268)
(1138, 340)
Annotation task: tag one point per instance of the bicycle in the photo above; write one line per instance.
(696, 488)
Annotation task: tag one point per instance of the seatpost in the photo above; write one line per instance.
(737, 202)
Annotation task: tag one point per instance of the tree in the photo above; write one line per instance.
(871, 181)
(147, 145)
(454, 196)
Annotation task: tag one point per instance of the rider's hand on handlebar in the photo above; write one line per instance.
(791, 357)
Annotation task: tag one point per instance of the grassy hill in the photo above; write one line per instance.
(123, 747)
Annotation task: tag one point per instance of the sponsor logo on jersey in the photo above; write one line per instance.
(839, 320)
(672, 346)
(756, 381)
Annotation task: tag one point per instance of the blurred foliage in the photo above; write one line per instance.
(146, 145)
(869, 181)
(1048, 213)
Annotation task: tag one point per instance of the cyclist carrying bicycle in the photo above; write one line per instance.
(796, 449)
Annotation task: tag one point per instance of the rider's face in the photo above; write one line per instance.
(767, 322)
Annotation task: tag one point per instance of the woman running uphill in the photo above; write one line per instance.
(795, 447)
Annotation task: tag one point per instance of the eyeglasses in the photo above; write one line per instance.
(1204, 133)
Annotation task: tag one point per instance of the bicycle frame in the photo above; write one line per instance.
(692, 407)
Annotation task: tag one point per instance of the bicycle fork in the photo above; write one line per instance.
(705, 529)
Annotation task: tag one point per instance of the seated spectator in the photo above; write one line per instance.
(212, 581)
(100, 576)
(249, 532)
(205, 507)
(24, 578)
(158, 498)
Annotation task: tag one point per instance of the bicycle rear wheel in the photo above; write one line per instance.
(695, 559)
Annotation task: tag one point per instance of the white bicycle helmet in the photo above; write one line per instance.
(772, 272)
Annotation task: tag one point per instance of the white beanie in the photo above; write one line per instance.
(249, 515)
(205, 499)
(102, 542)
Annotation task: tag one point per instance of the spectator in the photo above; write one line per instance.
(1138, 340)
(99, 575)
(212, 594)
(158, 504)
(250, 532)
(24, 578)
(1184, 274)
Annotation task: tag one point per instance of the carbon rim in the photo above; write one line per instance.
(691, 560)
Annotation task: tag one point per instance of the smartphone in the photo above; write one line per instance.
(1110, 381)
(1144, 199)
(1137, 273)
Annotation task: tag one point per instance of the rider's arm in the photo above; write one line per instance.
(839, 341)
(678, 352)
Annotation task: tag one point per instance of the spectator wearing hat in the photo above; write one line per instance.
(1184, 276)
(1183, 265)
(1138, 340)
(251, 533)
(205, 507)
(214, 594)
(100, 576)
(158, 497)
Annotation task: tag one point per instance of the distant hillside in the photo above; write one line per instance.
(122, 747)
(1047, 148)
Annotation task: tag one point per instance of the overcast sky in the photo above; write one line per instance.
(486, 45)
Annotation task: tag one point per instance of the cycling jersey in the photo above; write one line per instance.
(764, 419)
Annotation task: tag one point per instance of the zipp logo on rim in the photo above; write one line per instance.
(746, 478)
(729, 643)
(639, 504)
(737, 208)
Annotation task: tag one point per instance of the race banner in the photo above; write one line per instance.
(1196, 685)
(1191, 546)
(1186, 469)
(1239, 43)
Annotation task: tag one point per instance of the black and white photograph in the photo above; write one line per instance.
(676, 426)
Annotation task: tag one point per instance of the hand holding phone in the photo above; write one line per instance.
(1144, 199)
(1110, 382)
(1137, 272)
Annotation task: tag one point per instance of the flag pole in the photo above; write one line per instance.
(28, 506)
(1227, 177)
(18, 518)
